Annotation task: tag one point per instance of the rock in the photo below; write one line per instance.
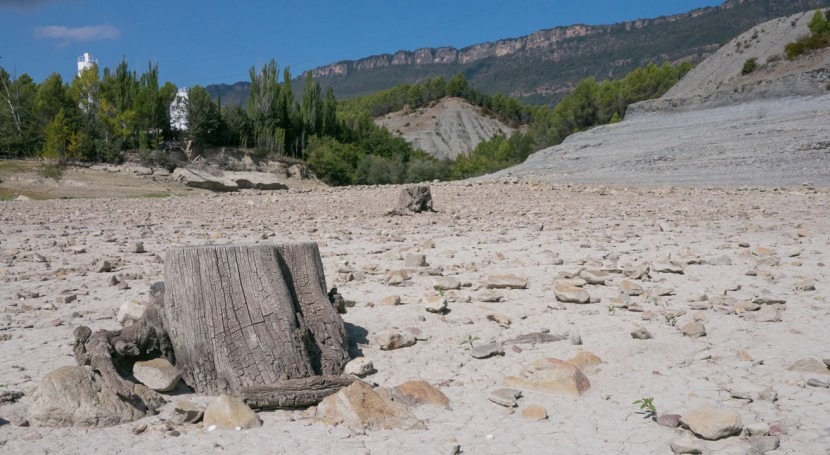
(265, 181)
(693, 330)
(764, 444)
(415, 260)
(103, 266)
(757, 429)
(388, 341)
(434, 303)
(576, 339)
(138, 247)
(768, 314)
(508, 281)
(488, 350)
(186, 412)
(416, 393)
(814, 382)
(805, 285)
(505, 397)
(157, 374)
(396, 278)
(535, 412)
(129, 312)
(810, 365)
(640, 333)
(667, 267)
(500, 319)
(446, 283)
(669, 420)
(359, 367)
(551, 376)
(230, 413)
(73, 396)
(770, 300)
(391, 300)
(489, 296)
(585, 360)
(631, 288)
(596, 277)
(711, 423)
(762, 251)
(685, 444)
(66, 297)
(361, 408)
(637, 272)
(79, 249)
(570, 294)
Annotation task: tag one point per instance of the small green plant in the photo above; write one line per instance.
(671, 320)
(612, 309)
(647, 406)
(749, 65)
(469, 340)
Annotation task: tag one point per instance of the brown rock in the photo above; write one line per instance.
(535, 412)
(629, 287)
(810, 365)
(711, 423)
(570, 294)
(359, 407)
(694, 330)
(585, 360)
(415, 393)
(230, 413)
(551, 376)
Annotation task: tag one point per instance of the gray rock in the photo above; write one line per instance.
(138, 247)
(810, 365)
(669, 420)
(768, 314)
(814, 382)
(388, 340)
(129, 312)
(570, 294)
(446, 283)
(435, 303)
(596, 277)
(505, 397)
(685, 444)
(73, 396)
(157, 374)
(667, 267)
(711, 423)
(720, 260)
(631, 288)
(103, 266)
(488, 350)
(576, 339)
(67, 297)
(507, 281)
(230, 413)
(186, 412)
(770, 300)
(694, 330)
(359, 367)
(489, 296)
(415, 260)
(764, 444)
(640, 333)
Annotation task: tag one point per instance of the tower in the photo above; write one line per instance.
(85, 61)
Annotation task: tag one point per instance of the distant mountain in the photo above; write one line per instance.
(542, 67)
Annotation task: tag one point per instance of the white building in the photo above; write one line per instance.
(178, 109)
(85, 62)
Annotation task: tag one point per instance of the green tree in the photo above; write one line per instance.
(202, 117)
(819, 23)
(20, 132)
(57, 138)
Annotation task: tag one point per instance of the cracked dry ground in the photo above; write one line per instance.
(734, 247)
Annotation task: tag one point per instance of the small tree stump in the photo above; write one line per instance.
(414, 199)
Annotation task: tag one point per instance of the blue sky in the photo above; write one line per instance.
(213, 42)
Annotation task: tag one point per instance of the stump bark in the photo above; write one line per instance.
(253, 321)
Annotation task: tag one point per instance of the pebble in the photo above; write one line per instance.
(505, 397)
(640, 333)
(764, 444)
(694, 330)
(484, 351)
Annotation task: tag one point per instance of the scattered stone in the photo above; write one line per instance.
(805, 285)
(415, 260)
(667, 267)
(585, 360)
(483, 351)
(685, 444)
(230, 413)
(138, 247)
(757, 429)
(129, 312)
(694, 330)
(770, 300)
(78, 250)
(576, 339)
(396, 278)
(536, 338)
(640, 333)
(720, 260)
(73, 397)
(500, 319)
(810, 365)
(446, 283)
(391, 300)
(535, 412)
(361, 408)
(359, 367)
(66, 297)
(505, 397)
(595, 277)
(157, 374)
(435, 303)
(711, 423)
(551, 376)
(388, 341)
(631, 288)
(669, 420)
(489, 296)
(103, 266)
(768, 314)
(139, 428)
(508, 281)
(764, 444)
(762, 251)
(186, 412)
(814, 382)
(570, 294)
(416, 393)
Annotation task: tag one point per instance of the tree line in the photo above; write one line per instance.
(101, 114)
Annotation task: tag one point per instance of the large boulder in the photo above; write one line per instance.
(203, 180)
(230, 413)
(711, 423)
(255, 180)
(551, 376)
(359, 407)
(74, 396)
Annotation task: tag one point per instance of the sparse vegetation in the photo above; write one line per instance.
(647, 407)
(749, 65)
(51, 171)
(819, 37)
(469, 340)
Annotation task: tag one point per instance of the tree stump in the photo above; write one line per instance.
(414, 199)
(253, 321)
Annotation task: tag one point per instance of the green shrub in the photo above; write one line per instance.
(51, 171)
(749, 65)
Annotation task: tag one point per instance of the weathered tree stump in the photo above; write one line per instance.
(414, 199)
(253, 321)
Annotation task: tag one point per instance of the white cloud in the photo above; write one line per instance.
(78, 34)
